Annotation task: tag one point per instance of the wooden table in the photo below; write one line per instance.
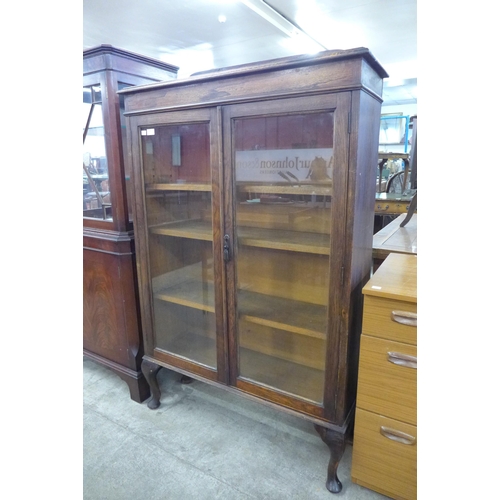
(393, 203)
(395, 239)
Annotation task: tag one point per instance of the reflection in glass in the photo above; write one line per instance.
(96, 189)
(283, 170)
(176, 161)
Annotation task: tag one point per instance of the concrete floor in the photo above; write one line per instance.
(203, 443)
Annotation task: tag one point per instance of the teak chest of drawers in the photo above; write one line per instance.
(385, 430)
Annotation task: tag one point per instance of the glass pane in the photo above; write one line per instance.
(283, 218)
(176, 161)
(96, 190)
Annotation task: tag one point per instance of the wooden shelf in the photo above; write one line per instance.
(257, 367)
(293, 316)
(277, 239)
(302, 189)
(193, 229)
(190, 293)
(324, 189)
(179, 187)
(191, 345)
(302, 318)
(283, 375)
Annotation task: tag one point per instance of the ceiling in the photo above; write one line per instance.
(198, 35)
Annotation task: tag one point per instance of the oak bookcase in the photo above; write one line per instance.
(254, 190)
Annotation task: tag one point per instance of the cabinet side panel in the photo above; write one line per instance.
(365, 118)
(362, 176)
(339, 245)
(110, 316)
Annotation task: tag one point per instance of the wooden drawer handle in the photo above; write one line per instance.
(404, 317)
(401, 359)
(395, 435)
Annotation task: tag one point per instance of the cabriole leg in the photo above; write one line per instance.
(150, 371)
(336, 444)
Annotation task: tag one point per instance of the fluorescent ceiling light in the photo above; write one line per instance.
(265, 11)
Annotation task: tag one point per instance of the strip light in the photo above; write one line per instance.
(271, 15)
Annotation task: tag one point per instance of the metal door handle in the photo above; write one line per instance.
(227, 248)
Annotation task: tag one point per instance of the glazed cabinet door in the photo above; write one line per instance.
(285, 165)
(177, 164)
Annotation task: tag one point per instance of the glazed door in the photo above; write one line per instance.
(179, 223)
(286, 172)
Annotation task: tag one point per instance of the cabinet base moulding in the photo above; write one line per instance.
(137, 384)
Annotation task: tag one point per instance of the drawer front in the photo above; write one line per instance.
(385, 455)
(387, 378)
(390, 319)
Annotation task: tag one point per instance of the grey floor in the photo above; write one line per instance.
(202, 443)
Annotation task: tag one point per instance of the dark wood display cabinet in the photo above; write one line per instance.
(254, 202)
(111, 316)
